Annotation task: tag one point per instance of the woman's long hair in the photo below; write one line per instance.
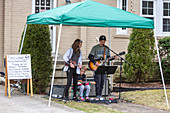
(75, 46)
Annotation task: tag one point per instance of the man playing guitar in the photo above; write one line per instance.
(99, 51)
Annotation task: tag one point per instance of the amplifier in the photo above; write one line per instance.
(92, 87)
(57, 91)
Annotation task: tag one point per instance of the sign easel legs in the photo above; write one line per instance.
(7, 86)
(30, 87)
(27, 86)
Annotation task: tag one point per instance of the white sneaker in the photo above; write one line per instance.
(101, 98)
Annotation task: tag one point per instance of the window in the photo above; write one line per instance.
(122, 4)
(166, 17)
(166, 9)
(148, 9)
(42, 5)
(166, 25)
(159, 12)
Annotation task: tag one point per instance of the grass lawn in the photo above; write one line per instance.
(88, 107)
(152, 98)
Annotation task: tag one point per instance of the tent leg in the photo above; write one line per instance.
(109, 37)
(161, 71)
(23, 39)
(111, 76)
(56, 55)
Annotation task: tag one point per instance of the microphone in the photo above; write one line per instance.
(122, 53)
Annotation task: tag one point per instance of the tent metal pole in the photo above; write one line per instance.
(23, 37)
(161, 70)
(56, 55)
(109, 37)
(111, 76)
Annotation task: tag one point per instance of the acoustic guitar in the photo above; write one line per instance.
(73, 62)
(101, 62)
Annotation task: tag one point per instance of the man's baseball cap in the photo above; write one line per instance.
(102, 37)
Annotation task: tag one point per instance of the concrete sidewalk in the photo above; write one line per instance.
(19, 103)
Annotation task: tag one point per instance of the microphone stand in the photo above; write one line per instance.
(116, 54)
(120, 69)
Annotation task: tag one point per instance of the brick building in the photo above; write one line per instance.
(14, 13)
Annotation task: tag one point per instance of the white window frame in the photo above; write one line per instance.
(53, 4)
(152, 16)
(166, 17)
(33, 5)
(121, 31)
(158, 16)
(154, 9)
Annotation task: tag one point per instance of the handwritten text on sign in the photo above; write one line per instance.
(19, 66)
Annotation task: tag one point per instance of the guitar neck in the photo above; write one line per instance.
(108, 59)
(113, 57)
(73, 62)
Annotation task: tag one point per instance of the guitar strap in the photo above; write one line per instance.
(104, 52)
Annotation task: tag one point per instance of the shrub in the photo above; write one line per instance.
(164, 48)
(140, 54)
(37, 43)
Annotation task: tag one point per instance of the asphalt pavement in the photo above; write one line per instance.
(20, 103)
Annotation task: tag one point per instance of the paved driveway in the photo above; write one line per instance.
(19, 103)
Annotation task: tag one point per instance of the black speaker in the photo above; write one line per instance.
(57, 91)
(92, 87)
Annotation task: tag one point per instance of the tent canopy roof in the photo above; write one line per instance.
(90, 13)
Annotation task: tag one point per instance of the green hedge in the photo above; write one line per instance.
(141, 55)
(37, 43)
(164, 49)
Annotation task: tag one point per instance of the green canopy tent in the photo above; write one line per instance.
(89, 13)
